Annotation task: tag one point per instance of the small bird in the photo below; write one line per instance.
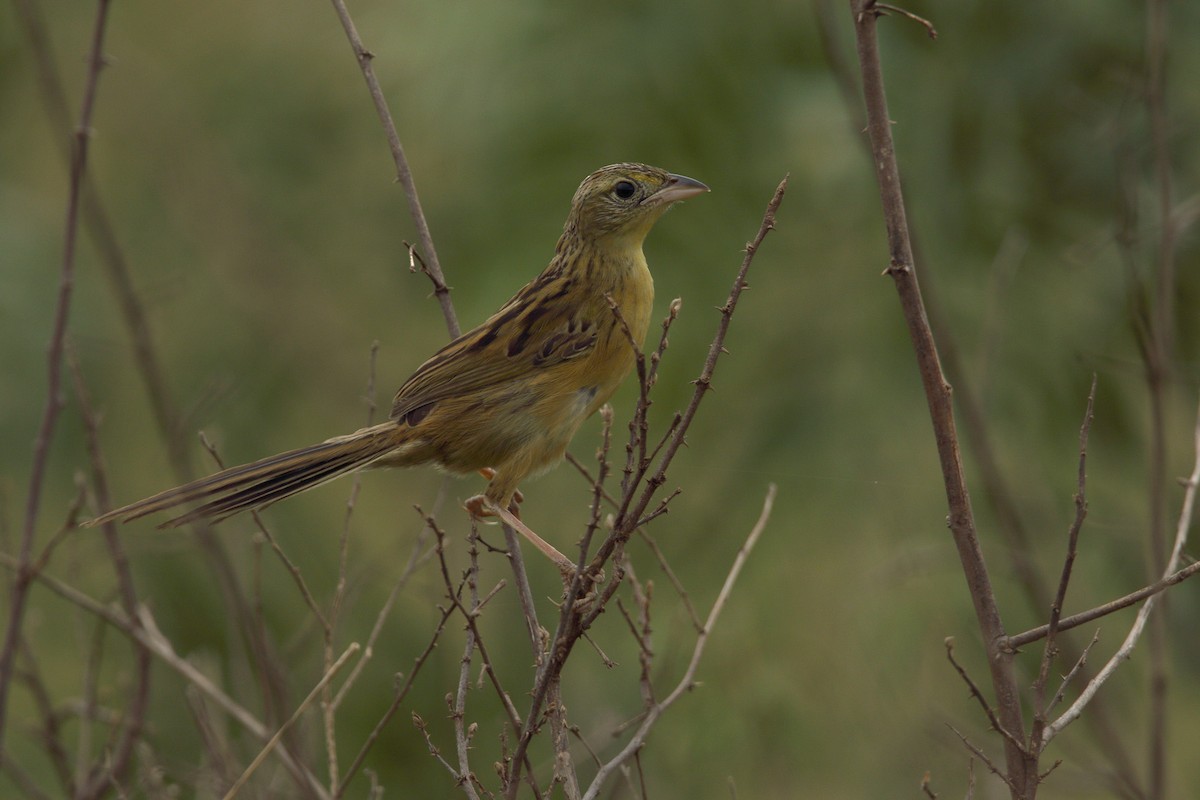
(505, 398)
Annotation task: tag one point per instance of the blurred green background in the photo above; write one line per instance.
(251, 189)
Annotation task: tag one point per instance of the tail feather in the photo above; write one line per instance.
(265, 481)
(276, 487)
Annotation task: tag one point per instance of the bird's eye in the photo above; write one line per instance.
(624, 190)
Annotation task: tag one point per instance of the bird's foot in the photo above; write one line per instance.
(490, 473)
(481, 506)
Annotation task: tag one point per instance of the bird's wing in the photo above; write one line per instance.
(541, 327)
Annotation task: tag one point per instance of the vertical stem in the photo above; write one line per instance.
(54, 401)
(1021, 773)
(1158, 375)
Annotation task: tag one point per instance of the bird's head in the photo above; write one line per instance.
(625, 200)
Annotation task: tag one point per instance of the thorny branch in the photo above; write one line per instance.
(430, 264)
(937, 391)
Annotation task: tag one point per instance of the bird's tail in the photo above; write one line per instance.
(262, 482)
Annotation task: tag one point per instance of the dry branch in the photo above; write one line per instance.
(902, 269)
(635, 744)
(54, 362)
(1126, 649)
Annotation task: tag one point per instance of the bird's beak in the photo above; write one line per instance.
(677, 187)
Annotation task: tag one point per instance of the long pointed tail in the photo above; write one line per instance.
(262, 482)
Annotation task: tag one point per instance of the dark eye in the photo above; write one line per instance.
(624, 189)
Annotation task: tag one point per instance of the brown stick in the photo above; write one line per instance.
(1050, 650)
(431, 265)
(1022, 776)
(50, 412)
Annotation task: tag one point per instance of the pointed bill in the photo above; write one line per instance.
(677, 187)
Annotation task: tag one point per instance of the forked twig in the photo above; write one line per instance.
(891, 9)
(978, 695)
(1135, 632)
(982, 756)
(687, 682)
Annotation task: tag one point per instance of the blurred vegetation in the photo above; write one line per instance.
(251, 189)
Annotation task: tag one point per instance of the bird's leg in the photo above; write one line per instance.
(481, 506)
(490, 473)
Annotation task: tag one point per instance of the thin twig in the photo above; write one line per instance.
(404, 175)
(118, 758)
(982, 756)
(926, 24)
(978, 695)
(416, 557)
(266, 533)
(274, 741)
(1135, 632)
(458, 711)
(51, 730)
(1080, 663)
(397, 700)
(54, 363)
(650, 541)
(1082, 618)
(145, 631)
(1050, 650)
(687, 682)
(328, 707)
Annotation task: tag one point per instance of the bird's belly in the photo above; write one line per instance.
(525, 428)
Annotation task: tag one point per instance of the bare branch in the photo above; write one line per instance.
(416, 557)
(145, 631)
(982, 756)
(397, 700)
(431, 265)
(118, 759)
(54, 363)
(1135, 632)
(1080, 663)
(1050, 651)
(635, 744)
(902, 269)
(978, 695)
(274, 741)
(926, 24)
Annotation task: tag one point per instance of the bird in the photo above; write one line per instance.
(505, 398)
